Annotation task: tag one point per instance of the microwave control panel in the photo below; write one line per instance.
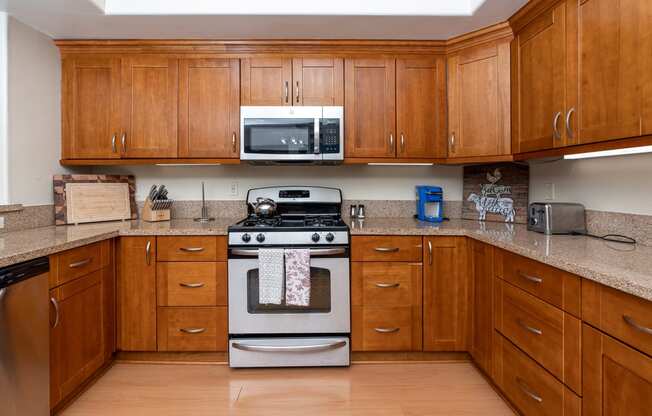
(329, 135)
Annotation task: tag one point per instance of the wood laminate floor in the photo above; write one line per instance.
(363, 389)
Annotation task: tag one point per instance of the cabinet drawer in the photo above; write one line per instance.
(555, 286)
(71, 264)
(386, 284)
(528, 386)
(192, 329)
(386, 329)
(385, 248)
(191, 284)
(547, 334)
(619, 314)
(194, 248)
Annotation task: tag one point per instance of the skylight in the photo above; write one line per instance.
(293, 7)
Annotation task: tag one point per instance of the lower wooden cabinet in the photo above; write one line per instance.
(483, 326)
(617, 379)
(192, 329)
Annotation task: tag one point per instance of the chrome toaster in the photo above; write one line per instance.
(556, 218)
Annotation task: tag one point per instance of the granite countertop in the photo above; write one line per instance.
(624, 267)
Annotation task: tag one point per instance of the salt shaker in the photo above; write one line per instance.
(353, 212)
(361, 211)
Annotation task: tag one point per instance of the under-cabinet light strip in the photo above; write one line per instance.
(400, 164)
(606, 153)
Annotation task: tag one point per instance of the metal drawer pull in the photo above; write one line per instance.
(191, 285)
(529, 328)
(387, 249)
(113, 148)
(527, 390)
(532, 279)
(54, 303)
(289, 348)
(193, 330)
(80, 263)
(387, 330)
(313, 252)
(148, 252)
(387, 285)
(192, 249)
(631, 322)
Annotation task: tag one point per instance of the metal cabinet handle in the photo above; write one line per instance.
(631, 322)
(191, 285)
(532, 279)
(298, 92)
(192, 330)
(529, 328)
(123, 141)
(233, 142)
(569, 129)
(402, 142)
(3, 291)
(527, 390)
(80, 263)
(113, 148)
(387, 330)
(452, 139)
(387, 285)
(391, 140)
(191, 249)
(555, 130)
(289, 348)
(387, 249)
(148, 252)
(429, 252)
(287, 91)
(54, 303)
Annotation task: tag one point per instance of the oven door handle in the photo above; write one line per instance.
(290, 348)
(313, 252)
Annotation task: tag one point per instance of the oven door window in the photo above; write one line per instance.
(279, 136)
(320, 295)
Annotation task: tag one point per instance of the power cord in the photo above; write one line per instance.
(615, 238)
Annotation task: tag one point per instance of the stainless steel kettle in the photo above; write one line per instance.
(264, 207)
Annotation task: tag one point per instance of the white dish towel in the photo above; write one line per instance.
(297, 277)
(270, 276)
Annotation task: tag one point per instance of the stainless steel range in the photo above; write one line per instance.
(279, 334)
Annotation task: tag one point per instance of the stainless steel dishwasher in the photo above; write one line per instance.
(25, 339)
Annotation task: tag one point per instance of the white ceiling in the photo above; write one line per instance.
(247, 19)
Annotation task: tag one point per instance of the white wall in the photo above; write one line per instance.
(356, 182)
(34, 136)
(617, 184)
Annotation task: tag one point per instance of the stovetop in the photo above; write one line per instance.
(294, 223)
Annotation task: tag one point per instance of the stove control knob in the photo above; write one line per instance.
(315, 237)
(246, 238)
(260, 238)
(330, 237)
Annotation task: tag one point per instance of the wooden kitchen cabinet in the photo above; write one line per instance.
(209, 108)
(420, 107)
(136, 294)
(149, 103)
(617, 379)
(479, 101)
(266, 81)
(370, 108)
(446, 294)
(90, 107)
(318, 81)
(482, 317)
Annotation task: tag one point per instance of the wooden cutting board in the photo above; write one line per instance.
(93, 202)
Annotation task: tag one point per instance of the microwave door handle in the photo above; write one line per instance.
(317, 144)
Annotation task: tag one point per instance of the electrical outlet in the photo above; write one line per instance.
(549, 191)
(2, 222)
(234, 189)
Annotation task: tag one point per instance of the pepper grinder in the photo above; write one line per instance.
(204, 209)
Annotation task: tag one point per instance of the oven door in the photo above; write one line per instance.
(329, 309)
(280, 133)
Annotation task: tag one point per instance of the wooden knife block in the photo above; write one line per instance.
(151, 215)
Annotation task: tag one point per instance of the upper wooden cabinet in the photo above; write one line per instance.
(287, 81)
(90, 107)
(479, 101)
(209, 108)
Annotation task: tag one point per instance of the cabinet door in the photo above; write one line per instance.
(483, 325)
(77, 338)
(610, 58)
(446, 319)
(539, 52)
(645, 68)
(370, 108)
(617, 379)
(90, 108)
(136, 298)
(479, 102)
(266, 81)
(318, 81)
(421, 111)
(209, 108)
(149, 106)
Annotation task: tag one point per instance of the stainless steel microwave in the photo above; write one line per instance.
(292, 134)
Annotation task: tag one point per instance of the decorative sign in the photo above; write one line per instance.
(496, 192)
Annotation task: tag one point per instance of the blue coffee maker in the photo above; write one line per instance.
(430, 203)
